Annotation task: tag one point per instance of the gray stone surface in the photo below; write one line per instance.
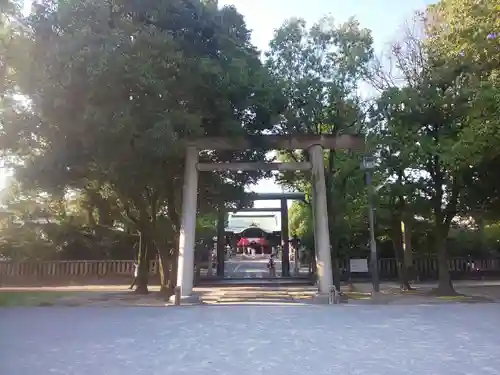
(244, 340)
(240, 267)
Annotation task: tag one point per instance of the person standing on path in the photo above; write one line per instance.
(271, 266)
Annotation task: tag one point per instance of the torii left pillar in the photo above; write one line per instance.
(320, 215)
(185, 273)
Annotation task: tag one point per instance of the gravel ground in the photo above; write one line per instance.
(241, 340)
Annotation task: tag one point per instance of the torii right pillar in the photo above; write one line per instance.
(320, 218)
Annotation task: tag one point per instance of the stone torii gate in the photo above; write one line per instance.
(315, 144)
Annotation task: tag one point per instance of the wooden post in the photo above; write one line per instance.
(332, 296)
(210, 261)
(177, 295)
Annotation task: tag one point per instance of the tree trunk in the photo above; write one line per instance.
(103, 207)
(445, 287)
(175, 233)
(408, 248)
(90, 216)
(104, 213)
(397, 243)
(174, 264)
(333, 245)
(143, 263)
(164, 261)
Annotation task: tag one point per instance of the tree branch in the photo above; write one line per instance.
(128, 212)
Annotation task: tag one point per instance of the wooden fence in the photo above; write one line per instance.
(102, 269)
(72, 268)
(427, 268)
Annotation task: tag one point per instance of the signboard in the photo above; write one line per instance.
(369, 162)
(358, 265)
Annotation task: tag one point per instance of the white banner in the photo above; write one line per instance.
(359, 265)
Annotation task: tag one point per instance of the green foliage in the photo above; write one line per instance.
(300, 223)
(481, 199)
(426, 128)
(38, 226)
(465, 34)
(206, 226)
(433, 155)
(476, 244)
(55, 241)
(319, 70)
(111, 93)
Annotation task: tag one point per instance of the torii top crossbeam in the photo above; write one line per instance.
(279, 142)
(276, 196)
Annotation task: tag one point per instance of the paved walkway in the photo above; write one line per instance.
(251, 340)
(487, 289)
(249, 267)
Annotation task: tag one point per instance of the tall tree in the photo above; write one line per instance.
(319, 69)
(424, 120)
(466, 34)
(112, 92)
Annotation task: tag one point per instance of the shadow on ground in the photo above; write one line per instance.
(231, 295)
